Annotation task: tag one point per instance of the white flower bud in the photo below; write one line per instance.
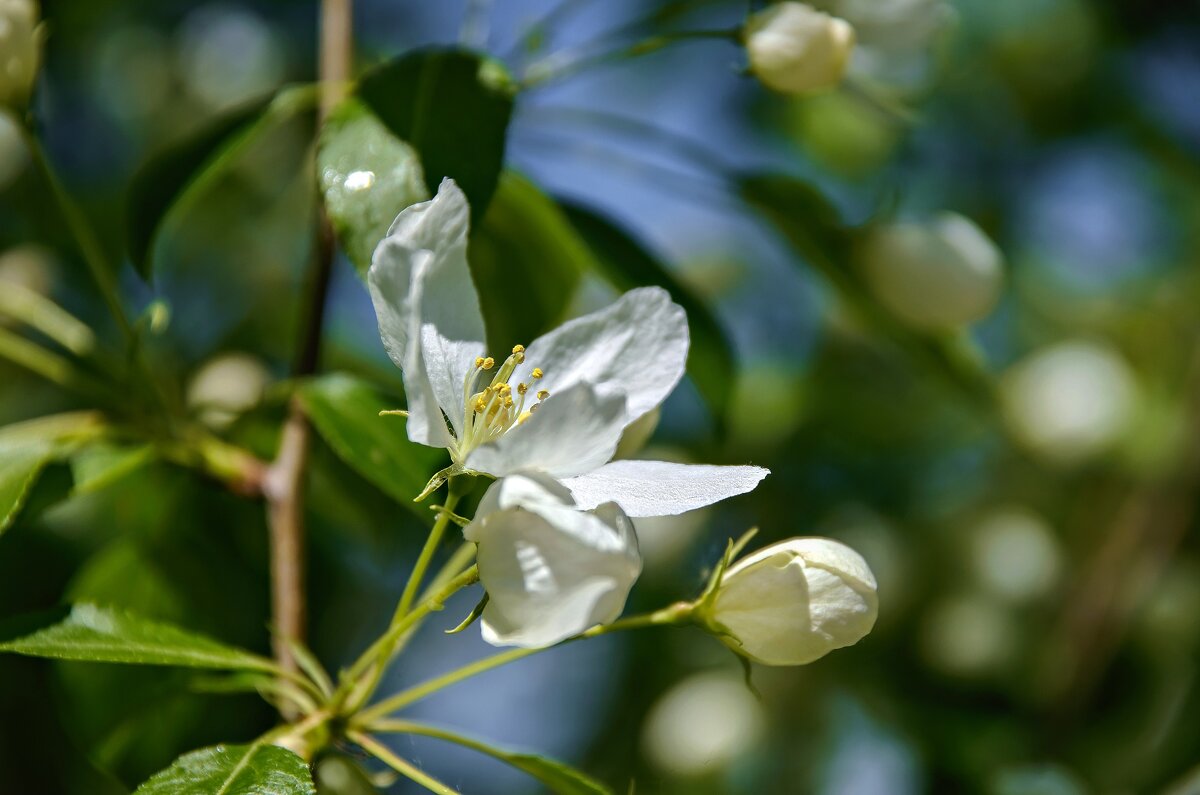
(227, 386)
(939, 276)
(795, 49)
(20, 50)
(794, 602)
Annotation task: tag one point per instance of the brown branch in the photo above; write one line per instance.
(1145, 532)
(283, 485)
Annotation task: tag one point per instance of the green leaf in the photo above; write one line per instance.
(174, 176)
(26, 448)
(367, 176)
(559, 777)
(345, 410)
(98, 465)
(627, 264)
(257, 769)
(95, 634)
(453, 106)
(526, 260)
(20, 464)
(807, 220)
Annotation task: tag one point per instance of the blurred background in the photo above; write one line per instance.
(1015, 451)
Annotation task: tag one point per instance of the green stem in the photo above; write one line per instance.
(381, 752)
(673, 615)
(427, 552)
(382, 649)
(97, 263)
(40, 313)
(48, 365)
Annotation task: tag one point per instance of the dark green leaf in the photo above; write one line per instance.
(26, 448)
(234, 770)
(810, 224)
(345, 411)
(95, 634)
(367, 176)
(453, 106)
(559, 777)
(99, 464)
(181, 171)
(526, 260)
(627, 264)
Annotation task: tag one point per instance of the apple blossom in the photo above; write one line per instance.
(793, 602)
(559, 406)
(550, 570)
(796, 49)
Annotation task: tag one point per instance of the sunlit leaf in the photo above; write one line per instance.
(100, 464)
(26, 448)
(257, 769)
(627, 264)
(96, 634)
(345, 411)
(453, 106)
(367, 176)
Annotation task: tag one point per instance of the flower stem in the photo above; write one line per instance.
(674, 615)
(558, 67)
(381, 752)
(454, 494)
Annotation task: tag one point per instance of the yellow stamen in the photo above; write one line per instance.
(537, 372)
(508, 403)
(479, 361)
(543, 394)
(534, 407)
(518, 357)
(488, 363)
(518, 349)
(522, 389)
(524, 416)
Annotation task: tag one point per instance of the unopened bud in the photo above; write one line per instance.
(935, 276)
(794, 602)
(796, 49)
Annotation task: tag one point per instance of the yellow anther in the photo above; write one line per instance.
(488, 363)
(522, 389)
(480, 405)
(543, 394)
(479, 361)
(534, 407)
(537, 372)
(518, 349)
(524, 416)
(518, 357)
(508, 403)
(504, 389)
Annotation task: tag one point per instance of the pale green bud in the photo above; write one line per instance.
(20, 51)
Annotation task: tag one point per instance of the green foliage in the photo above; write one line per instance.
(627, 264)
(100, 464)
(178, 175)
(234, 770)
(95, 634)
(527, 259)
(453, 107)
(367, 176)
(27, 447)
(345, 411)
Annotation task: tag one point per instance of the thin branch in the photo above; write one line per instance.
(284, 482)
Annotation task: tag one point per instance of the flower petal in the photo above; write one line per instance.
(574, 431)
(551, 571)
(428, 310)
(637, 346)
(658, 488)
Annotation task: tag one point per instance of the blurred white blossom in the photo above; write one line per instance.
(939, 275)
(1069, 401)
(228, 54)
(20, 51)
(796, 49)
(1015, 554)
(702, 724)
(226, 386)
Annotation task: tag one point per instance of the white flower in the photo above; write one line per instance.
(939, 275)
(797, 49)
(794, 602)
(558, 406)
(20, 50)
(550, 570)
